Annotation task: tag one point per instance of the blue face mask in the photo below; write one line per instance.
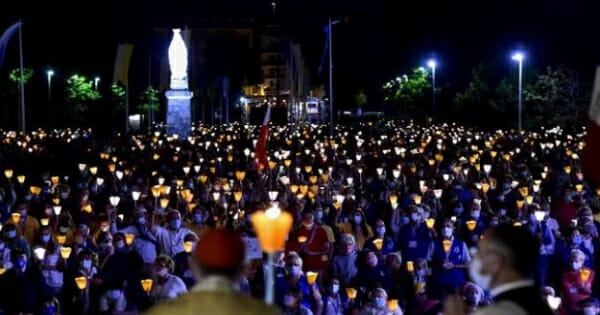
(20, 263)
(175, 224)
(49, 310)
(458, 210)
(577, 239)
(405, 220)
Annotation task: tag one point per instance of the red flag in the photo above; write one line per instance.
(591, 152)
(261, 144)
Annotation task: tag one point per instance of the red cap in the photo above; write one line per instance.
(220, 249)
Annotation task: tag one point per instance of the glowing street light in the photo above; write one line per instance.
(519, 57)
(432, 63)
(50, 73)
(96, 80)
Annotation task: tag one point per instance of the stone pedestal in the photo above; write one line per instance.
(179, 115)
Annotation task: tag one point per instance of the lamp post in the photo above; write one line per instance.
(330, 43)
(519, 57)
(433, 65)
(96, 80)
(50, 73)
(272, 227)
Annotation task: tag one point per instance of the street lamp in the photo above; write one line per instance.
(431, 63)
(96, 80)
(50, 73)
(519, 57)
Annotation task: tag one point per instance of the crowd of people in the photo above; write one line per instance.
(387, 216)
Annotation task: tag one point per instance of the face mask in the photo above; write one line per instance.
(502, 212)
(289, 300)
(49, 310)
(589, 310)
(163, 272)
(480, 279)
(113, 294)
(576, 265)
(294, 271)
(421, 273)
(1, 246)
(475, 214)
(532, 218)
(21, 262)
(141, 221)
(175, 224)
(576, 240)
(198, 218)
(405, 220)
(51, 259)
(86, 264)
(335, 288)
(308, 225)
(63, 229)
(64, 195)
(319, 215)
(447, 232)
(45, 239)
(357, 219)
(379, 302)
(414, 217)
(372, 261)
(120, 244)
(381, 231)
(458, 210)
(425, 215)
(80, 240)
(11, 234)
(494, 223)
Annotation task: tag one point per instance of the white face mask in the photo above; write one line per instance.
(289, 300)
(379, 302)
(335, 288)
(576, 265)
(357, 219)
(447, 232)
(481, 280)
(589, 311)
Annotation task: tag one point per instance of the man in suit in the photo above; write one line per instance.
(504, 264)
(218, 261)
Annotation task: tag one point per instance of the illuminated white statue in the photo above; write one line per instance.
(178, 61)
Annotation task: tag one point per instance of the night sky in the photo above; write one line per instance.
(377, 41)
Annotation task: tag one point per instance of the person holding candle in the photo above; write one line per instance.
(576, 281)
(144, 243)
(333, 300)
(371, 272)
(386, 245)
(183, 260)
(450, 257)
(312, 243)
(170, 238)
(296, 279)
(414, 239)
(379, 305)
(166, 285)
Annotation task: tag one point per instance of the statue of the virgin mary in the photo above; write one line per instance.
(178, 61)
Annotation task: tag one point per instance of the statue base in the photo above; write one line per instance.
(179, 114)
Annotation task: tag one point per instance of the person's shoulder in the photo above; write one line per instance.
(205, 302)
(502, 308)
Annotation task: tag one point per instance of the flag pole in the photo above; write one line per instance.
(21, 80)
